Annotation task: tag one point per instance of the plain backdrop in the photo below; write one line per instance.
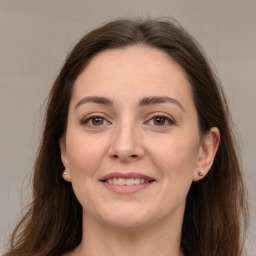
(35, 37)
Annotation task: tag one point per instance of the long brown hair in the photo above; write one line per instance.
(216, 208)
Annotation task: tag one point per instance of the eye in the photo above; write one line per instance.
(94, 120)
(97, 121)
(161, 120)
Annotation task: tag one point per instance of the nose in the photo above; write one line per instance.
(126, 144)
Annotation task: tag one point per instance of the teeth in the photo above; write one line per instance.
(128, 182)
(137, 181)
(121, 181)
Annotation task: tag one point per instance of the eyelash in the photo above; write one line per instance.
(166, 118)
(90, 117)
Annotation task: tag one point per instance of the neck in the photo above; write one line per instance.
(158, 239)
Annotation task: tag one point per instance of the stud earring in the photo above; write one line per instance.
(65, 173)
(200, 174)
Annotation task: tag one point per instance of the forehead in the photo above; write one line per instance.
(132, 71)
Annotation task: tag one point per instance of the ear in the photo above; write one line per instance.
(207, 151)
(66, 173)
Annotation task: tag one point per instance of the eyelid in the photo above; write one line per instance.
(90, 116)
(168, 117)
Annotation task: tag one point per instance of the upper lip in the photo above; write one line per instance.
(130, 175)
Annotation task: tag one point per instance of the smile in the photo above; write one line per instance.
(127, 182)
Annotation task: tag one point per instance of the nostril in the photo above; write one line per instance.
(128, 157)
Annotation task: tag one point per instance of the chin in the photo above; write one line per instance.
(127, 223)
(127, 217)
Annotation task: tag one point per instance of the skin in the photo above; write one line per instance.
(129, 138)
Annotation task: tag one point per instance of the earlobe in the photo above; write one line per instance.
(208, 148)
(66, 173)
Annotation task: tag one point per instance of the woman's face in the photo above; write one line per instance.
(132, 146)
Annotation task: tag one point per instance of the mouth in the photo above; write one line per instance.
(126, 183)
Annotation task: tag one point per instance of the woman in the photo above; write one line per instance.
(137, 155)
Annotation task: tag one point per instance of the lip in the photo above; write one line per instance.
(129, 175)
(127, 189)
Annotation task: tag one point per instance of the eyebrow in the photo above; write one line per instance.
(158, 99)
(95, 99)
(143, 102)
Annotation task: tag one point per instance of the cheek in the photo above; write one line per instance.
(174, 159)
(84, 154)
(175, 156)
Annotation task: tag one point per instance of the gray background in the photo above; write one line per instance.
(35, 37)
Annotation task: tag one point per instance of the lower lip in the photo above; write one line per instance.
(126, 189)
